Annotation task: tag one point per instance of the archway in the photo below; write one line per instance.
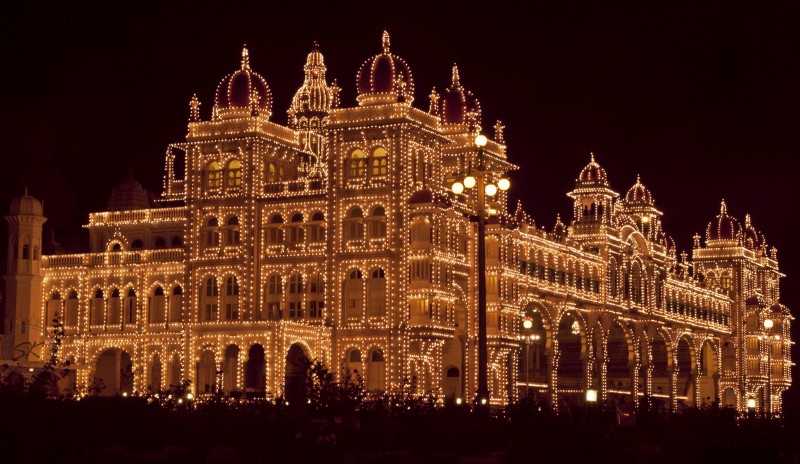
(571, 369)
(230, 366)
(618, 369)
(685, 386)
(709, 375)
(660, 377)
(174, 373)
(113, 373)
(255, 378)
(376, 371)
(297, 363)
(155, 374)
(533, 365)
(729, 398)
(205, 381)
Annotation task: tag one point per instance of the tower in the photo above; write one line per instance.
(22, 321)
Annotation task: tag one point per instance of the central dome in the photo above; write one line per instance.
(242, 91)
(639, 195)
(458, 105)
(385, 78)
(593, 174)
(723, 226)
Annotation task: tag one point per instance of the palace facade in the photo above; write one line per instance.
(338, 238)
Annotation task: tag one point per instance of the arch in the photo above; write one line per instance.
(636, 283)
(297, 364)
(206, 374)
(376, 293)
(379, 164)
(233, 174)
(571, 353)
(130, 307)
(232, 233)
(294, 297)
(53, 312)
(357, 164)
(354, 224)
(98, 308)
(619, 376)
(275, 229)
(72, 309)
(176, 304)
(213, 176)
(534, 364)
(255, 376)
(728, 358)
(453, 360)
(209, 301)
(685, 371)
(316, 227)
(156, 305)
(315, 295)
(114, 308)
(154, 377)
(707, 382)
(230, 368)
(174, 372)
(231, 298)
(212, 232)
(376, 370)
(353, 296)
(353, 366)
(274, 291)
(376, 223)
(113, 373)
(730, 398)
(613, 277)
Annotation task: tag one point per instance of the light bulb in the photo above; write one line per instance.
(527, 324)
(481, 140)
(504, 184)
(458, 188)
(470, 182)
(490, 190)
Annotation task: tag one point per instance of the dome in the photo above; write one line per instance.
(384, 78)
(751, 237)
(457, 105)
(639, 195)
(723, 227)
(593, 174)
(243, 89)
(26, 205)
(315, 97)
(128, 195)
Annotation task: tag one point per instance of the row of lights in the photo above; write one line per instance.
(470, 181)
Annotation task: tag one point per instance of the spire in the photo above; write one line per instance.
(385, 41)
(194, 108)
(638, 179)
(245, 58)
(747, 220)
(499, 132)
(455, 79)
(591, 158)
(433, 100)
(723, 208)
(315, 46)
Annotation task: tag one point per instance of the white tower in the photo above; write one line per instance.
(22, 331)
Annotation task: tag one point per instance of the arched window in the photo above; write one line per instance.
(72, 310)
(156, 312)
(53, 313)
(232, 235)
(273, 172)
(137, 244)
(275, 230)
(354, 372)
(376, 293)
(130, 307)
(376, 371)
(295, 297)
(176, 304)
(636, 282)
(177, 241)
(117, 247)
(354, 224)
(379, 164)
(295, 229)
(98, 308)
(160, 242)
(421, 232)
(316, 296)
(213, 176)
(357, 164)
(353, 296)
(377, 223)
(114, 308)
(274, 292)
(231, 299)
(233, 176)
(212, 232)
(316, 227)
(209, 300)
(613, 278)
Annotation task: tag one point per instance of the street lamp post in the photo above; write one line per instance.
(527, 324)
(485, 188)
(768, 324)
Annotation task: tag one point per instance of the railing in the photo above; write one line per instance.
(175, 214)
(89, 260)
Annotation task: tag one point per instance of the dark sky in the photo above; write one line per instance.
(701, 100)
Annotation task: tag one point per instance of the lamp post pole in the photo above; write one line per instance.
(768, 324)
(478, 180)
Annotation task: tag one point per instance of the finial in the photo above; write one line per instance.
(385, 41)
(245, 57)
(747, 220)
(591, 157)
(499, 132)
(454, 78)
(315, 46)
(433, 99)
(194, 108)
(723, 207)
(638, 179)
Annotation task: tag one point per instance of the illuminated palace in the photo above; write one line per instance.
(348, 236)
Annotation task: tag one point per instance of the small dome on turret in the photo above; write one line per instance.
(752, 238)
(315, 97)
(243, 90)
(128, 195)
(457, 105)
(25, 205)
(723, 226)
(593, 174)
(639, 195)
(385, 78)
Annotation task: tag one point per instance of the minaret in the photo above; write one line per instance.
(22, 322)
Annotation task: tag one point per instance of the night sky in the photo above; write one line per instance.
(700, 100)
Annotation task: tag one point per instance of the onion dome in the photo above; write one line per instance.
(314, 97)
(593, 174)
(243, 92)
(384, 78)
(128, 195)
(723, 226)
(559, 229)
(639, 195)
(25, 205)
(751, 237)
(458, 105)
